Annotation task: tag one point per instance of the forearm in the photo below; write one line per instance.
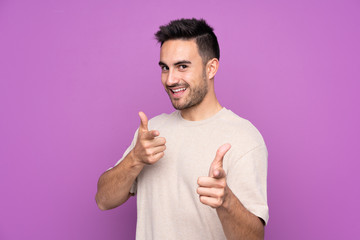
(114, 185)
(237, 221)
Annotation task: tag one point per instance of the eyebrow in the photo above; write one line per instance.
(176, 64)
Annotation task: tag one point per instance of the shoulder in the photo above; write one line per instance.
(248, 148)
(241, 130)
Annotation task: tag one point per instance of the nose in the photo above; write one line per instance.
(171, 78)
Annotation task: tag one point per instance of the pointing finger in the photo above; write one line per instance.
(211, 182)
(151, 134)
(218, 161)
(143, 121)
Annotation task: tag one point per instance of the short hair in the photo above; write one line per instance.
(187, 29)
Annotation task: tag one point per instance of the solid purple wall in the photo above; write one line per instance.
(74, 74)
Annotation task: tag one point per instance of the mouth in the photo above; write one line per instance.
(177, 92)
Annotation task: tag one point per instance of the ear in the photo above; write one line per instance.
(212, 67)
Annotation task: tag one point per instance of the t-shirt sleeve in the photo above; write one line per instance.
(127, 151)
(247, 178)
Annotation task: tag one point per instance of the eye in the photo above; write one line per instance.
(164, 68)
(182, 67)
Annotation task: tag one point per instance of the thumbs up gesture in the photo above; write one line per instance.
(149, 147)
(212, 189)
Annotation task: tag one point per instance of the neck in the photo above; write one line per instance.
(206, 109)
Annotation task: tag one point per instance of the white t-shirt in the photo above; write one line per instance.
(167, 202)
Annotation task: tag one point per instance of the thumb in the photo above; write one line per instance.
(219, 173)
(218, 160)
(143, 121)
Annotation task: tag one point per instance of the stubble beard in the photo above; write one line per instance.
(195, 97)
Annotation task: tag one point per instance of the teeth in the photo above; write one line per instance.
(178, 90)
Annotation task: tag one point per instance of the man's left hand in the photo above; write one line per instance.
(213, 189)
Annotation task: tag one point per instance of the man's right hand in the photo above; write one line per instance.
(149, 148)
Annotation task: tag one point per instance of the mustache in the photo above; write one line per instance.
(185, 85)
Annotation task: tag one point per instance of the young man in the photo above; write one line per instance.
(199, 172)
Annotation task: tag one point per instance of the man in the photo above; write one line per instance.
(199, 172)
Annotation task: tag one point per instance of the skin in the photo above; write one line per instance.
(114, 185)
(190, 86)
(237, 221)
(182, 66)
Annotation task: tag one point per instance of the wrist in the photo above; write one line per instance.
(135, 161)
(227, 199)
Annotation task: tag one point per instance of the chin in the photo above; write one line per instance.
(183, 106)
(178, 106)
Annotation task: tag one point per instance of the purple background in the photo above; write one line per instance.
(74, 74)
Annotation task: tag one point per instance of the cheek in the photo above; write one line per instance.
(188, 77)
(193, 78)
(163, 79)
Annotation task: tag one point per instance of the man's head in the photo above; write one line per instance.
(189, 59)
(192, 29)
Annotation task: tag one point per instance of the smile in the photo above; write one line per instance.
(178, 90)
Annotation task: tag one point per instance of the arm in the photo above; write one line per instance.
(114, 185)
(237, 221)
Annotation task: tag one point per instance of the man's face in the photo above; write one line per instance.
(183, 73)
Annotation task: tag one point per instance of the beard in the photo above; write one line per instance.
(196, 95)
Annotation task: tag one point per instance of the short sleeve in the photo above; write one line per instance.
(247, 179)
(127, 151)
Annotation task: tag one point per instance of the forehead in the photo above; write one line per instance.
(179, 50)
